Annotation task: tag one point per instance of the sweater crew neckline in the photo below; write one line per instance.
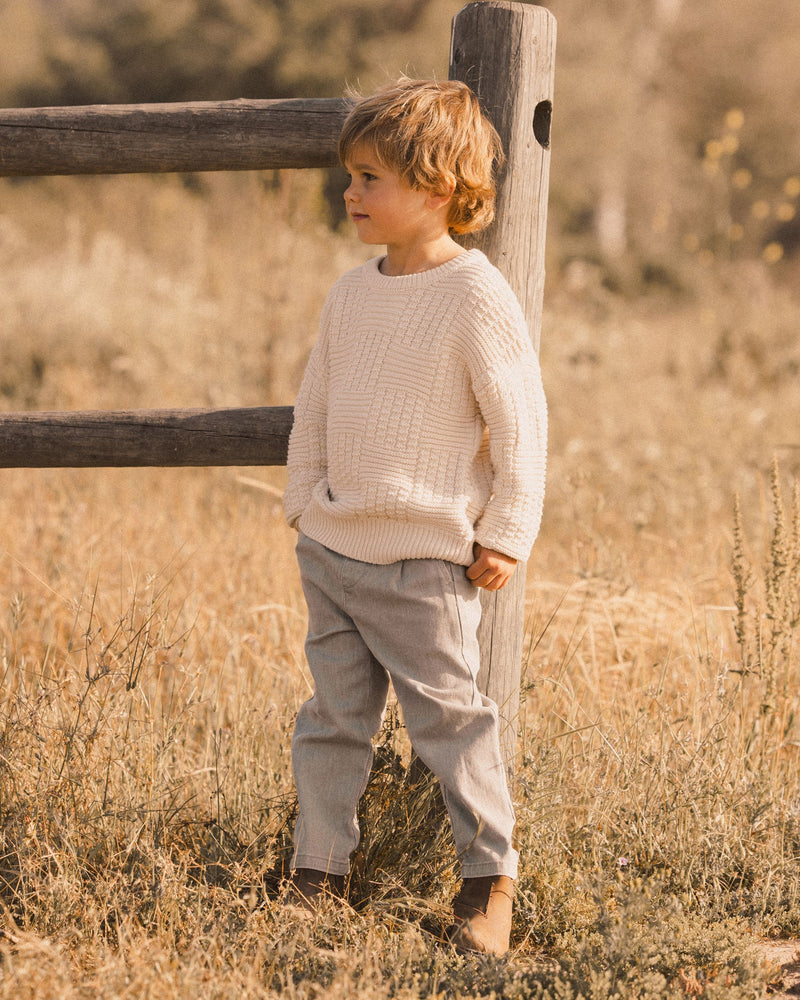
(373, 273)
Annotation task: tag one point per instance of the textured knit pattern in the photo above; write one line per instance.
(420, 426)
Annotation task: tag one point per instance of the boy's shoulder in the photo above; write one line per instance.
(486, 286)
(358, 273)
(478, 271)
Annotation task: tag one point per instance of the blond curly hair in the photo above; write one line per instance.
(433, 135)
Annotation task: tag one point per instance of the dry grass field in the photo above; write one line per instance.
(151, 629)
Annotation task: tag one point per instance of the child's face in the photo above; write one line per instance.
(385, 209)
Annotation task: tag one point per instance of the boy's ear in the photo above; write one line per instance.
(440, 197)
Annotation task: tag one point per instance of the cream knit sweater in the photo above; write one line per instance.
(389, 456)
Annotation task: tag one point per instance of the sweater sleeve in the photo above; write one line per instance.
(507, 384)
(307, 463)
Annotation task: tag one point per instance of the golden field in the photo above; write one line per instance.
(151, 630)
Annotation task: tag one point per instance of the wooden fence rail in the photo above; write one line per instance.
(135, 438)
(153, 138)
(504, 50)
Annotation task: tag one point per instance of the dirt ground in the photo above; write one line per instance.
(785, 956)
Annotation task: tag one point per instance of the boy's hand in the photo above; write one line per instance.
(491, 570)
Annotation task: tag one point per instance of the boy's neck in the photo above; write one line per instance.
(401, 260)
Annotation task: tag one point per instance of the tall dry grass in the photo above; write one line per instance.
(152, 624)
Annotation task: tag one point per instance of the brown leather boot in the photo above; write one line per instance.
(483, 910)
(309, 888)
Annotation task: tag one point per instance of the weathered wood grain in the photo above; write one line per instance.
(120, 438)
(154, 138)
(506, 52)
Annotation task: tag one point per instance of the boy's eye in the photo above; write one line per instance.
(362, 175)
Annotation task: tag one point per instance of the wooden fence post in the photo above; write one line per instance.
(506, 53)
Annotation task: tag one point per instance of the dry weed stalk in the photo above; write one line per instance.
(766, 626)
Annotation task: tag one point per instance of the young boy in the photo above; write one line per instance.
(416, 475)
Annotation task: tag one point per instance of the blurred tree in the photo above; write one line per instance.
(137, 51)
(644, 89)
(24, 31)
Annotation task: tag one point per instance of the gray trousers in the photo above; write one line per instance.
(414, 622)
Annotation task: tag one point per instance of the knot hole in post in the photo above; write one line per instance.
(542, 115)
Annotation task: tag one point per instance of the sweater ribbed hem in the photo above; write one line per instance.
(379, 541)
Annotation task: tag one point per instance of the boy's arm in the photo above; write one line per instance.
(507, 384)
